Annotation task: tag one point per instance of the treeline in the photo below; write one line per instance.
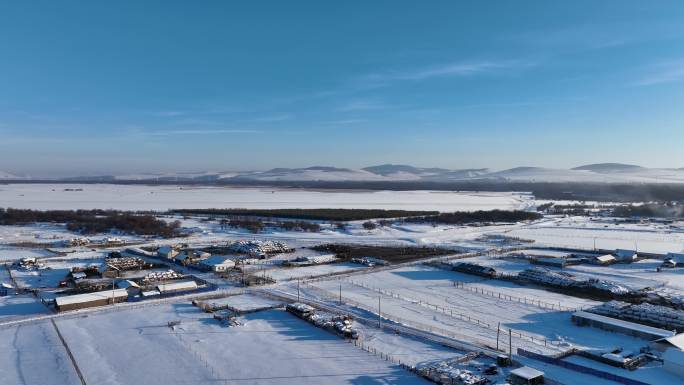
(465, 217)
(392, 254)
(94, 221)
(257, 226)
(651, 210)
(309, 214)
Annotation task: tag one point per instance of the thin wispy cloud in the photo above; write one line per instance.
(517, 104)
(582, 37)
(597, 36)
(345, 121)
(364, 105)
(168, 114)
(666, 72)
(195, 132)
(269, 119)
(456, 69)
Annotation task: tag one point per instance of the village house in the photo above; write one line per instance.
(188, 257)
(623, 255)
(167, 252)
(217, 263)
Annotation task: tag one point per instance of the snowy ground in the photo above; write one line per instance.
(243, 302)
(43, 233)
(412, 293)
(121, 345)
(8, 254)
(33, 354)
(141, 197)
(289, 273)
(19, 306)
(580, 232)
(272, 347)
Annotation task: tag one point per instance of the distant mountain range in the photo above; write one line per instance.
(595, 173)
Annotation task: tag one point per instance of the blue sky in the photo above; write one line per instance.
(132, 86)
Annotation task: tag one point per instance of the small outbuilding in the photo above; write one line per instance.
(583, 318)
(217, 263)
(473, 268)
(132, 287)
(5, 289)
(167, 252)
(176, 286)
(603, 260)
(526, 376)
(674, 260)
(623, 255)
(188, 257)
(672, 342)
(78, 275)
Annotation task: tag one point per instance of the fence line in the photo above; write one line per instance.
(503, 345)
(580, 368)
(512, 298)
(457, 315)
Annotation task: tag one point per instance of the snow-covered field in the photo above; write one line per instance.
(412, 293)
(580, 232)
(33, 354)
(12, 253)
(134, 344)
(271, 347)
(142, 197)
(289, 273)
(243, 302)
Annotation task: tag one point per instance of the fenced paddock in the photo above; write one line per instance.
(581, 368)
(271, 347)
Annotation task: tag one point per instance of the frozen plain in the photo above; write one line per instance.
(91, 345)
(137, 346)
(160, 198)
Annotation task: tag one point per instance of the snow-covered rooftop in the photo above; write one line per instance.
(90, 297)
(676, 341)
(181, 285)
(624, 324)
(526, 372)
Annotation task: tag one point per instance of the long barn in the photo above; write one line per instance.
(82, 301)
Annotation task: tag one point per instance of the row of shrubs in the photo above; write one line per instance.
(256, 225)
(465, 217)
(459, 217)
(94, 221)
(650, 210)
(309, 214)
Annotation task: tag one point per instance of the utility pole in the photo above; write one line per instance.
(340, 294)
(498, 331)
(379, 314)
(510, 345)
